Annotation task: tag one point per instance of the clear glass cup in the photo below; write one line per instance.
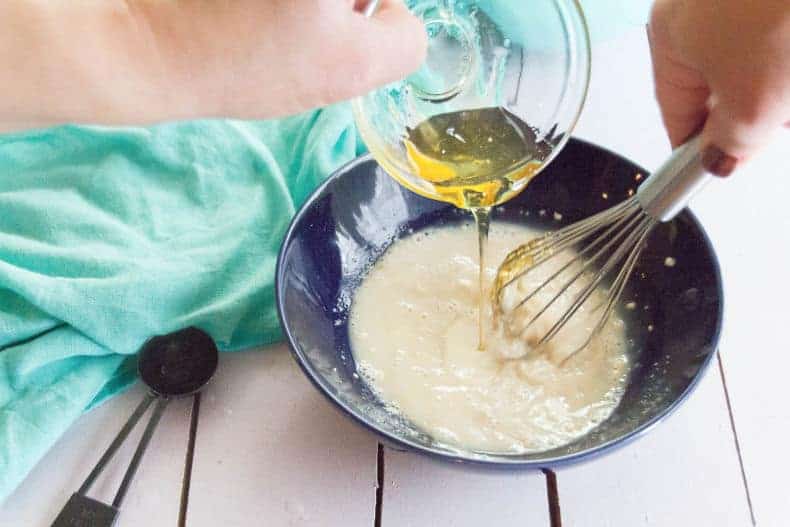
(501, 90)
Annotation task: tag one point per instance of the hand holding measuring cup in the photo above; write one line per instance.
(143, 61)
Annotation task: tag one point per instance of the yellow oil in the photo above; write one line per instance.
(519, 259)
(474, 158)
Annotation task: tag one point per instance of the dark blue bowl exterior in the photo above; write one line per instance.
(352, 218)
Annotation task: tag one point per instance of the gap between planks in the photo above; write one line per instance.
(735, 439)
(552, 492)
(553, 498)
(379, 485)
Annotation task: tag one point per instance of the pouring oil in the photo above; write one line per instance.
(475, 159)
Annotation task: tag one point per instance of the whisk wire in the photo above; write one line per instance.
(569, 235)
(543, 248)
(598, 240)
(575, 277)
(615, 291)
(628, 244)
(618, 286)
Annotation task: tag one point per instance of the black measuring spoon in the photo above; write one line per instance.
(174, 365)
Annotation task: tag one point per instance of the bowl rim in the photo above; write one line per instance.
(459, 457)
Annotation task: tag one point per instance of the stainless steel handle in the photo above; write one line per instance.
(669, 189)
(370, 9)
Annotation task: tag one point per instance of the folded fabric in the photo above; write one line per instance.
(110, 236)
(605, 18)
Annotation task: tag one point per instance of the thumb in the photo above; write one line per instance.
(394, 43)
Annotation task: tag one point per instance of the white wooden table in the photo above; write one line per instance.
(270, 451)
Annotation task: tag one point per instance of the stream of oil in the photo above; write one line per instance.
(476, 159)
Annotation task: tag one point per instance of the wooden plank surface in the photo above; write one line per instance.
(684, 472)
(621, 112)
(749, 222)
(157, 484)
(420, 492)
(271, 451)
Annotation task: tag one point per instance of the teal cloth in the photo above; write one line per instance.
(605, 18)
(109, 236)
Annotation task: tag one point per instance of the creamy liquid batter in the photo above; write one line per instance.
(414, 339)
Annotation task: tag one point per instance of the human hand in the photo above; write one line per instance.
(260, 59)
(724, 66)
(146, 61)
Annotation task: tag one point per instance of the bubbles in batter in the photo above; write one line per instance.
(414, 337)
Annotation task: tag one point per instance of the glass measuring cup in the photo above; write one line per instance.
(496, 99)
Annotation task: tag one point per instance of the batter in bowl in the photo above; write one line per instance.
(413, 331)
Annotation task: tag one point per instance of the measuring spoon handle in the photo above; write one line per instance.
(150, 428)
(116, 443)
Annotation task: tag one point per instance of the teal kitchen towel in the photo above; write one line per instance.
(110, 236)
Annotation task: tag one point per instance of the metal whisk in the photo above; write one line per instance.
(604, 245)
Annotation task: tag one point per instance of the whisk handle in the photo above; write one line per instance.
(669, 189)
(370, 9)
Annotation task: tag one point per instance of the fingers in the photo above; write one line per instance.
(681, 90)
(397, 37)
(682, 97)
(343, 54)
(734, 89)
(388, 46)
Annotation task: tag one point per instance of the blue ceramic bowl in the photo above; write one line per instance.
(359, 211)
